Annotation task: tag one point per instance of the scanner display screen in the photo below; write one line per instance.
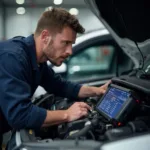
(113, 101)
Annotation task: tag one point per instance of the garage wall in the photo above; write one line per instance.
(1, 21)
(25, 24)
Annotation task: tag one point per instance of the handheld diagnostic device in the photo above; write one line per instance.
(116, 103)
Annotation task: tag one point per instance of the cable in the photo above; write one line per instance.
(82, 132)
(146, 106)
(141, 55)
(92, 135)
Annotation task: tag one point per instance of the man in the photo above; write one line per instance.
(23, 67)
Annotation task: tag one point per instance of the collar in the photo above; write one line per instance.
(31, 50)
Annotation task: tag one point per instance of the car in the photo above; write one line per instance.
(120, 119)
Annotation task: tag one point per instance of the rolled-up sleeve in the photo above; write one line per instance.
(53, 83)
(15, 94)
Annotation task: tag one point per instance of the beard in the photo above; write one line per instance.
(49, 53)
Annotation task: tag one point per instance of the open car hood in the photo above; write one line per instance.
(128, 22)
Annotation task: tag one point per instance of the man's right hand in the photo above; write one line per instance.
(77, 110)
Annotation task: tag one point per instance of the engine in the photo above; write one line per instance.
(122, 112)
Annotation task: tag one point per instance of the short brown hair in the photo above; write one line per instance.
(56, 19)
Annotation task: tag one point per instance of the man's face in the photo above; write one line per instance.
(59, 46)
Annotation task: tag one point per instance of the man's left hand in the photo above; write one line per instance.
(87, 91)
(102, 89)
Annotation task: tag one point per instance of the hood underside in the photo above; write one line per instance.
(128, 22)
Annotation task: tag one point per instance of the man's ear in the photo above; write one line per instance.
(48, 39)
(45, 36)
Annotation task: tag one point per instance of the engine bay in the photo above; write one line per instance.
(122, 112)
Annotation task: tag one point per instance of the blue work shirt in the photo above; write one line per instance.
(19, 78)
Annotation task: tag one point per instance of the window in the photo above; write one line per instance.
(92, 62)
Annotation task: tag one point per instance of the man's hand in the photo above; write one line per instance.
(77, 110)
(89, 91)
(103, 88)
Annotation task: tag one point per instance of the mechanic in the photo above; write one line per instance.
(23, 67)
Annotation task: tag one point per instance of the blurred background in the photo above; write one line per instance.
(19, 17)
